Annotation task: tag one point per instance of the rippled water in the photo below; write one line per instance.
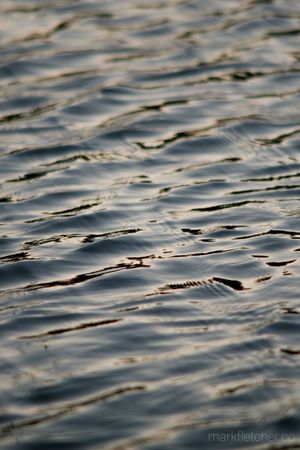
(149, 219)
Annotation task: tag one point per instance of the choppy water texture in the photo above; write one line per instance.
(149, 202)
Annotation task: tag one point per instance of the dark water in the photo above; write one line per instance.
(149, 219)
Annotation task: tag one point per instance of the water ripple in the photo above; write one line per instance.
(149, 218)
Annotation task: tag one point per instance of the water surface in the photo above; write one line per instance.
(149, 224)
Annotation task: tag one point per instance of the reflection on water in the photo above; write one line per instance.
(149, 219)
